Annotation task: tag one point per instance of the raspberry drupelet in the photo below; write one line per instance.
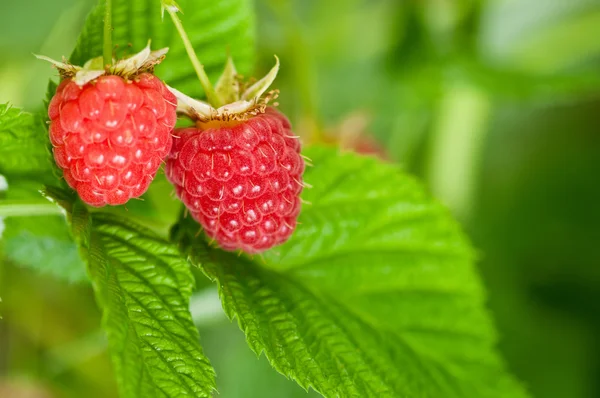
(240, 180)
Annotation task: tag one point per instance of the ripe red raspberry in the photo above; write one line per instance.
(240, 180)
(111, 135)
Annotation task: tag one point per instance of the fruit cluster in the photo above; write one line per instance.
(238, 171)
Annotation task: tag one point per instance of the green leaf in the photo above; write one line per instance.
(542, 37)
(376, 294)
(24, 146)
(518, 86)
(562, 45)
(43, 243)
(214, 27)
(143, 286)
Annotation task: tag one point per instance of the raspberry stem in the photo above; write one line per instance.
(209, 90)
(107, 48)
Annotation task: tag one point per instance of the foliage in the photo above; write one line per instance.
(41, 242)
(215, 28)
(377, 293)
(23, 145)
(143, 287)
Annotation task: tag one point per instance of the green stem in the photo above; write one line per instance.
(211, 94)
(14, 208)
(456, 146)
(107, 49)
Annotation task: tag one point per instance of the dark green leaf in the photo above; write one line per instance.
(376, 294)
(214, 27)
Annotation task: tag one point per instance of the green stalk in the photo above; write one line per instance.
(107, 49)
(211, 94)
(15, 208)
(457, 142)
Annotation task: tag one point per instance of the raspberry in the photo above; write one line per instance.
(111, 135)
(240, 180)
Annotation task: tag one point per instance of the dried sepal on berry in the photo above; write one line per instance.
(240, 102)
(127, 68)
(228, 85)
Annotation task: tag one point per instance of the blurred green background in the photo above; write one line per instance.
(495, 104)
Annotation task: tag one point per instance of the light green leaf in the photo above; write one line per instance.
(23, 145)
(561, 45)
(143, 286)
(214, 27)
(42, 242)
(541, 36)
(376, 294)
